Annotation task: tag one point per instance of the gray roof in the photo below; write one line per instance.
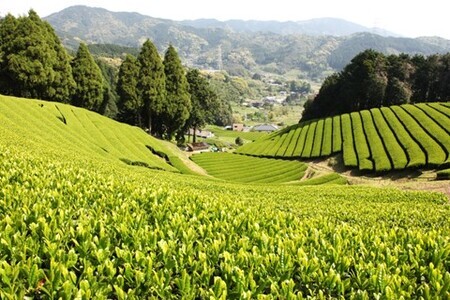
(265, 127)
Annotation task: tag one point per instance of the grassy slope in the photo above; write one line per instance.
(77, 222)
(63, 128)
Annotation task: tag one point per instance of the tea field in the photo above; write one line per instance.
(76, 222)
(255, 170)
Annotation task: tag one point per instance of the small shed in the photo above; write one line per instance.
(238, 127)
(202, 146)
(201, 133)
(265, 128)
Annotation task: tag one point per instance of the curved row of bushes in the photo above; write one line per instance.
(247, 169)
(379, 139)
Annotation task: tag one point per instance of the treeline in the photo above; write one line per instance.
(373, 79)
(155, 94)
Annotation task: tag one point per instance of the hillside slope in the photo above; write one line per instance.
(62, 130)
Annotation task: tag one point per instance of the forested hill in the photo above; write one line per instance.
(237, 51)
(374, 80)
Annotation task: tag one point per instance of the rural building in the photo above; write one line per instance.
(265, 128)
(198, 147)
(238, 127)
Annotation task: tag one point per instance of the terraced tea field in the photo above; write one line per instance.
(245, 169)
(380, 140)
(254, 170)
(57, 127)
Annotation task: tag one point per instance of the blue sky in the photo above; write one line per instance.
(407, 18)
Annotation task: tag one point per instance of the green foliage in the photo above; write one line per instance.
(33, 63)
(381, 159)
(332, 178)
(318, 142)
(239, 141)
(89, 80)
(130, 105)
(151, 87)
(75, 224)
(443, 174)
(205, 104)
(178, 101)
(348, 142)
(110, 98)
(434, 126)
(390, 141)
(309, 140)
(365, 160)
(327, 140)
(201, 97)
(416, 156)
(373, 79)
(434, 152)
(337, 134)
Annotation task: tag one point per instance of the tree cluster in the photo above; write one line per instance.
(158, 94)
(34, 64)
(373, 79)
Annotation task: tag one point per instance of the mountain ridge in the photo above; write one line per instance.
(316, 26)
(243, 52)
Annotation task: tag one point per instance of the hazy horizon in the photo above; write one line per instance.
(400, 17)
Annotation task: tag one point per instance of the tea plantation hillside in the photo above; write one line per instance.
(78, 223)
(380, 140)
(56, 127)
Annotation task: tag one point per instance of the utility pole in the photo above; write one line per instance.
(219, 58)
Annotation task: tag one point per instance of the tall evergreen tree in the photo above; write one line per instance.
(398, 90)
(151, 86)
(63, 84)
(444, 78)
(108, 107)
(89, 80)
(203, 100)
(8, 27)
(33, 63)
(131, 106)
(178, 97)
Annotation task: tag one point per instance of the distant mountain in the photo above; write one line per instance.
(240, 47)
(315, 27)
